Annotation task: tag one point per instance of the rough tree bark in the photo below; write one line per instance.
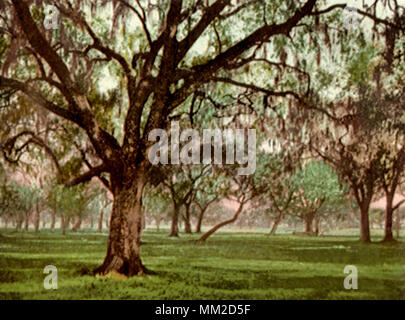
(124, 240)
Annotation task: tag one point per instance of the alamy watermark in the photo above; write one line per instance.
(235, 141)
(51, 280)
(351, 281)
(51, 17)
(351, 18)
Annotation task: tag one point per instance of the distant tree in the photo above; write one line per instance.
(238, 188)
(70, 202)
(278, 192)
(181, 183)
(157, 204)
(17, 202)
(316, 185)
(209, 192)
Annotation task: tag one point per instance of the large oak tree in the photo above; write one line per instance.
(57, 71)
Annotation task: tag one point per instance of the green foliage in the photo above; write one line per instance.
(70, 201)
(156, 201)
(317, 180)
(17, 200)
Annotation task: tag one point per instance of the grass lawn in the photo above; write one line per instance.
(229, 266)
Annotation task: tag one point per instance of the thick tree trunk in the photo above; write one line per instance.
(100, 222)
(206, 235)
(364, 223)
(275, 224)
(77, 225)
(309, 218)
(174, 230)
(124, 240)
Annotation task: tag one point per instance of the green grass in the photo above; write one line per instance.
(229, 266)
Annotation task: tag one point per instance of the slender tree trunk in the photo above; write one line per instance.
(63, 221)
(91, 222)
(26, 221)
(174, 231)
(275, 224)
(364, 223)
(78, 224)
(388, 236)
(186, 218)
(53, 220)
(317, 220)
(37, 217)
(124, 240)
(157, 222)
(100, 222)
(206, 235)
(199, 221)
